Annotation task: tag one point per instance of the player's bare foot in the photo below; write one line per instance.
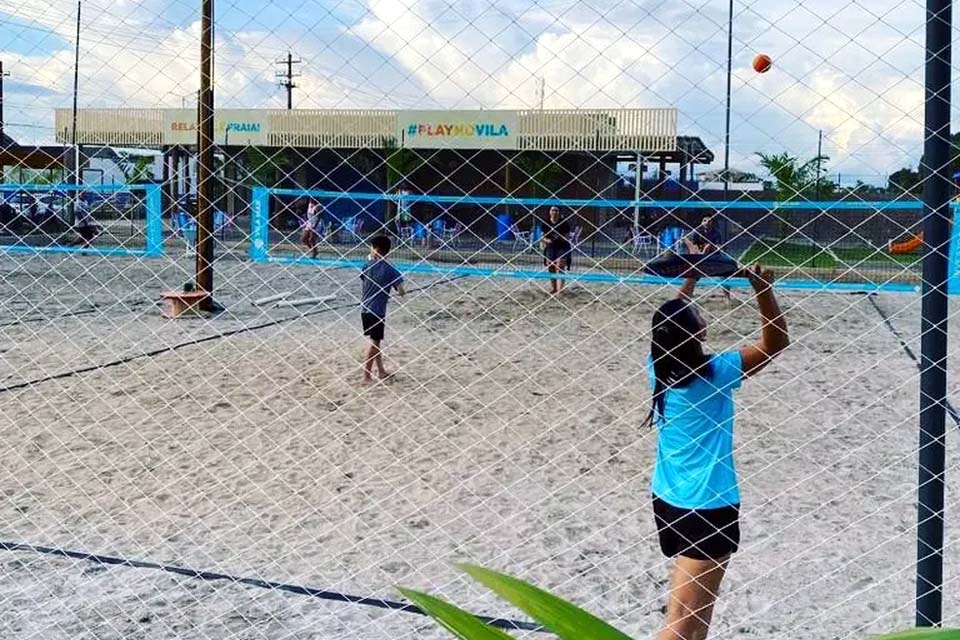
(387, 376)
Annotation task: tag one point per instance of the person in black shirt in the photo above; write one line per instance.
(556, 248)
(705, 239)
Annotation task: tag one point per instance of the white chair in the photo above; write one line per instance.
(187, 229)
(221, 222)
(643, 242)
(575, 236)
(351, 229)
(452, 235)
(521, 239)
(357, 230)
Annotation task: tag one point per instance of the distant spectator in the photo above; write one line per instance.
(706, 238)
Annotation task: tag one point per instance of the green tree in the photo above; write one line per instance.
(401, 165)
(136, 168)
(863, 191)
(539, 174)
(261, 169)
(42, 176)
(905, 182)
(796, 180)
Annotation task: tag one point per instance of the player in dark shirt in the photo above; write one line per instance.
(706, 238)
(556, 248)
(380, 279)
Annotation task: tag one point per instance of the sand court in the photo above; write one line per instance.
(510, 437)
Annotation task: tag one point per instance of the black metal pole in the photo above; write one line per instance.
(819, 156)
(726, 144)
(934, 319)
(289, 80)
(73, 135)
(205, 142)
(2, 75)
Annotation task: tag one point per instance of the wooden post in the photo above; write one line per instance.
(204, 268)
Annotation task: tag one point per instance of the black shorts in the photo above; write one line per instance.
(87, 232)
(373, 326)
(558, 251)
(701, 534)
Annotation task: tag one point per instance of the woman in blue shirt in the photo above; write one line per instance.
(696, 498)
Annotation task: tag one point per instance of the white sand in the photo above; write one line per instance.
(511, 438)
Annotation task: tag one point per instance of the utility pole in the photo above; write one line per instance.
(2, 75)
(287, 75)
(204, 267)
(819, 156)
(541, 90)
(726, 144)
(73, 136)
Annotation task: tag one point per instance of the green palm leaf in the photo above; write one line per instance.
(462, 624)
(568, 621)
(923, 634)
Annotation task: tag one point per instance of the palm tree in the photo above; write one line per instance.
(560, 618)
(796, 180)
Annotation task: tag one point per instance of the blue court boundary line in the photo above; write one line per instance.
(362, 196)
(210, 576)
(68, 187)
(605, 278)
(97, 251)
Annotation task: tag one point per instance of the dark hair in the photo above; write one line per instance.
(381, 243)
(676, 351)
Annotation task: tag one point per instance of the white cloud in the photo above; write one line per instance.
(854, 71)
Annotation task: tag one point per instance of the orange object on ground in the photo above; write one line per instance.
(177, 303)
(907, 246)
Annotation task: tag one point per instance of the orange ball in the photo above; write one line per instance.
(762, 63)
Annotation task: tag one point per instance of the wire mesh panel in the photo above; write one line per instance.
(449, 320)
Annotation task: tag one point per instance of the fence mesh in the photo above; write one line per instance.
(228, 474)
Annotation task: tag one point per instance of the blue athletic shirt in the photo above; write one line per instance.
(379, 278)
(695, 468)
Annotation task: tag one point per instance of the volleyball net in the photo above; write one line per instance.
(839, 244)
(63, 218)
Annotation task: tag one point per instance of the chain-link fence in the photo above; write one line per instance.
(232, 474)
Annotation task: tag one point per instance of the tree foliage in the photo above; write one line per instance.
(796, 179)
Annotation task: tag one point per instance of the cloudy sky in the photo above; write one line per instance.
(853, 69)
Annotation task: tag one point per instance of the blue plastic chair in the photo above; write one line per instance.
(185, 222)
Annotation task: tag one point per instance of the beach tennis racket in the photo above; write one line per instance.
(693, 265)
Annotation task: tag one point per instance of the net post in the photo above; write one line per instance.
(154, 224)
(934, 320)
(259, 223)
